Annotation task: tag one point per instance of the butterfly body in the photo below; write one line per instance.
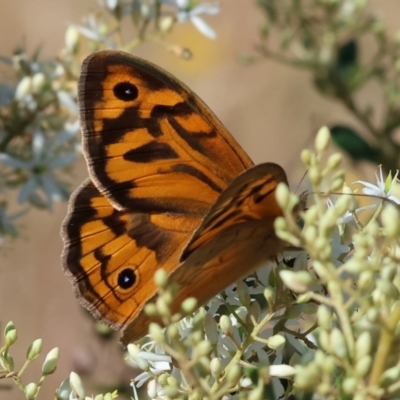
(169, 187)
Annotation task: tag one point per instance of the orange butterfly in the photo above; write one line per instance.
(169, 187)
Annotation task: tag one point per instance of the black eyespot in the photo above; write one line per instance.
(126, 91)
(126, 278)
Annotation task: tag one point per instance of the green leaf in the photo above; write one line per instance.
(353, 144)
(347, 55)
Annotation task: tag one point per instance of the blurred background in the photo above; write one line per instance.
(272, 110)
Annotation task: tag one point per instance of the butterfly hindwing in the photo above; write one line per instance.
(249, 197)
(236, 237)
(111, 255)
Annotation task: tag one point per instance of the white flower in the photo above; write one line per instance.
(348, 217)
(338, 248)
(186, 12)
(383, 188)
(152, 355)
(46, 156)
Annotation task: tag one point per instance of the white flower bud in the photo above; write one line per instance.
(363, 366)
(166, 24)
(282, 194)
(38, 81)
(390, 376)
(225, 325)
(334, 161)
(324, 318)
(161, 278)
(275, 341)
(11, 337)
(324, 341)
(71, 39)
(216, 367)
(203, 348)
(31, 390)
(338, 343)
(152, 388)
(365, 280)
(50, 362)
(76, 385)
(133, 350)
(315, 175)
(337, 182)
(269, 294)
(297, 281)
(349, 385)
(34, 350)
(156, 332)
(162, 307)
(233, 374)
(390, 218)
(322, 140)
(24, 88)
(307, 157)
(171, 392)
(189, 305)
(363, 345)
(173, 331)
(150, 309)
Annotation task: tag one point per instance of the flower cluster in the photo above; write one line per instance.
(39, 125)
(316, 315)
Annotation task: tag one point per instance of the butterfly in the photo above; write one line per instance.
(168, 187)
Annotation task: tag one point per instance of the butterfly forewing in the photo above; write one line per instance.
(150, 143)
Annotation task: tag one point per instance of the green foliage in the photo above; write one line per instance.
(355, 146)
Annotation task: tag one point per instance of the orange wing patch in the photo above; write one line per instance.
(143, 129)
(112, 255)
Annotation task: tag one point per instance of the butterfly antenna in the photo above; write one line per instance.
(301, 181)
(374, 196)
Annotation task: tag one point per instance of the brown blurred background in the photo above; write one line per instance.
(272, 110)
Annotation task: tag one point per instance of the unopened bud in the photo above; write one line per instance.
(161, 278)
(23, 88)
(225, 324)
(216, 367)
(50, 362)
(189, 305)
(76, 385)
(34, 350)
(322, 140)
(31, 390)
(156, 332)
(275, 341)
